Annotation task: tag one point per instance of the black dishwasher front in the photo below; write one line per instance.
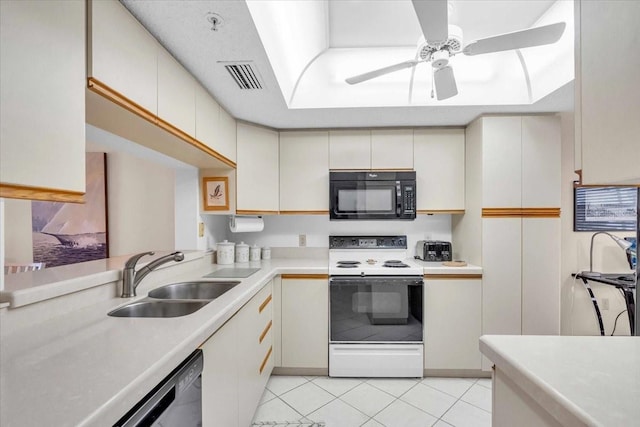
(175, 402)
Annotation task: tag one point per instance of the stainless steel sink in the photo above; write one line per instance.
(204, 290)
(146, 308)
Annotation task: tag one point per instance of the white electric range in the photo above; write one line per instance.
(376, 304)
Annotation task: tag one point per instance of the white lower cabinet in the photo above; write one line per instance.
(238, 360)
(305, 322)
(452, 323)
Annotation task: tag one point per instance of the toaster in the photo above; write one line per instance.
(433, 250)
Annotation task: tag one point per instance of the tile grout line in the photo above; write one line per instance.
(459, 399)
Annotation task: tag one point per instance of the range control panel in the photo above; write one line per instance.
(367, 242)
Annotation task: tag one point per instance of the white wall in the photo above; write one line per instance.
(18, 244)
(577, 313)
(283, 230)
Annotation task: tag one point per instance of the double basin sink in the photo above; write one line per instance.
(176, 299)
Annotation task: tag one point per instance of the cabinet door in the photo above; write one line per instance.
(502, 276)
(541, 276)
(257, 170)
(207, 118)
(255, 352)
(176, 94)
(350, 149)
(501, 162)
(227, 138)
(541, 146)
(42, 106)
(392, 149)
(439, 164)
(305, 323)
(452, 323)
(123, 54)
(220, 377)
(610, 96)
(304, 172)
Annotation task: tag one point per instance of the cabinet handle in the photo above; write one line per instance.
(264, 304)
(266, 330)
(266, 358)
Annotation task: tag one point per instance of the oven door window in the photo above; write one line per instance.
(375, 310)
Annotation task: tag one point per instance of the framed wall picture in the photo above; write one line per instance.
(215, 193)
(605, 208)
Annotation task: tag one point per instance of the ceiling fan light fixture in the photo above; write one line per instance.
(440, 59)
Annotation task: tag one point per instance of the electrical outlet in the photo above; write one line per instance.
(201, 229)
(605, 303)
(302, 240)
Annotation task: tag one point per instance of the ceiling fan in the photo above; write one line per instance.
(442, 41)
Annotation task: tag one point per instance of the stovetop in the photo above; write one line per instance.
(370, 255)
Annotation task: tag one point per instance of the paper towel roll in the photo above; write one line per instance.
(240, 224)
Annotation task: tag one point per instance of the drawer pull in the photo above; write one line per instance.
(266, 359)
(266, 330)
(264, 304)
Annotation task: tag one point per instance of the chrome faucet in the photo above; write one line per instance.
(132, 278)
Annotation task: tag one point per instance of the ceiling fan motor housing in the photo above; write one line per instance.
(442, 51)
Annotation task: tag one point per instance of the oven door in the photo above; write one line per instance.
(375, 309)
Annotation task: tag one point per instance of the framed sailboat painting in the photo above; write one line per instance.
(68, 233)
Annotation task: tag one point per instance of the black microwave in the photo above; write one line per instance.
(372, 195)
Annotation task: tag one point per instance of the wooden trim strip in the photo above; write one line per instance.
(520, 212)
(250, 212)
(265, 331)
(266, 359)
(11, 191)
(440, 211)
(304, 212)
(265, 303)
(453, 276)
(118, 98)
(304, 276)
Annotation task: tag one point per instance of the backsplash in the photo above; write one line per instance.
(283, 230)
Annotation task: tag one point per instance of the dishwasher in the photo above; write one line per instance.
(175, 402)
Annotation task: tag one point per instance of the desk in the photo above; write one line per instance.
(625, 282)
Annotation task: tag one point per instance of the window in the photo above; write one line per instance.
(605, 208)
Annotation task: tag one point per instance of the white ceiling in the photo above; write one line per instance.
(377, 31)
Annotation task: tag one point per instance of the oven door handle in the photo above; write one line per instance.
(375, 280)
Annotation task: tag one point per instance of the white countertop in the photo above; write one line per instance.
(590, 380)
(86, 368)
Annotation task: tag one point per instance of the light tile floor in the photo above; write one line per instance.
(377, 402)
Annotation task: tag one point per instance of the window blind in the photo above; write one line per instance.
(605, 208)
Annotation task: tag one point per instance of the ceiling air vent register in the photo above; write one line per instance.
(245, 75)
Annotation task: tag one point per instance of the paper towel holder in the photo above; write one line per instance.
(239, 223)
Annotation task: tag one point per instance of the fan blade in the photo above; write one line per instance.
(517, 40)
(445, 83)
(382, 71)
(434, 19)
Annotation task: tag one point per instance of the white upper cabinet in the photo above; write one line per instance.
(304, 172)
(176, 94)
(123, 55)
(501, 162)
(207, 118)
(227, 135)
(439, 164)
(257, 172)
(608, 97)
(541, 146)
(214, 127)
(392, 149)
(42, 106)
(350, 149)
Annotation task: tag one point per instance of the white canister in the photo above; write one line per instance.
(225, 252)
(242, 252)
(254, 253)
(266, 252)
